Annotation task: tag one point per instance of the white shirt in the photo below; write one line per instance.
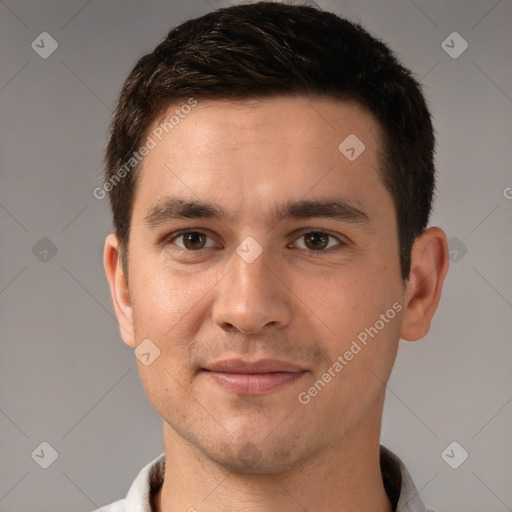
(397, 482)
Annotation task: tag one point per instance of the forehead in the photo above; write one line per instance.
(261, 152)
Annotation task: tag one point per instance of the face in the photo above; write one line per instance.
(263, 264)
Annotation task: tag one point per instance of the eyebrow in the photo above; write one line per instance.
(172, 208)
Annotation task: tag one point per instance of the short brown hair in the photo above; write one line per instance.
(267, 49)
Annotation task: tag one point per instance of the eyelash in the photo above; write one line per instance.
(298, 235)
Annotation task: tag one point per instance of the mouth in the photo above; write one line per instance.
(253, 378)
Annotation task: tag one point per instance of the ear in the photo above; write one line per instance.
(118, 283)
(429, 265)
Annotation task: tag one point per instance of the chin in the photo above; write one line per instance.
(259, 457)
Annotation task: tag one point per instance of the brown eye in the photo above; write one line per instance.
(317, 241)
(194, 240)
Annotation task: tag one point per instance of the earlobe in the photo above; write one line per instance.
(119, 289)
(429, 265)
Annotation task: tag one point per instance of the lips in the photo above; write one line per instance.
(261, 366)
(253, 378)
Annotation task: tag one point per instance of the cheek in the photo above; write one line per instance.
(165, 387)
(347, 301)
(170, 306)
(161, 297)
(361, 314)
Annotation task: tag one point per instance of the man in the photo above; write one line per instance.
(270, 170)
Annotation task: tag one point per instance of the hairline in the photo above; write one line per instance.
(348, 97)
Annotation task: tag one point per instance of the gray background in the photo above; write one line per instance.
(65, 375)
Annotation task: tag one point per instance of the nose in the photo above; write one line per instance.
(252, 297)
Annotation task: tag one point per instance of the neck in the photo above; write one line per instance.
(345, 477)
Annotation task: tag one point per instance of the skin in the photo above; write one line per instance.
(299, 301)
